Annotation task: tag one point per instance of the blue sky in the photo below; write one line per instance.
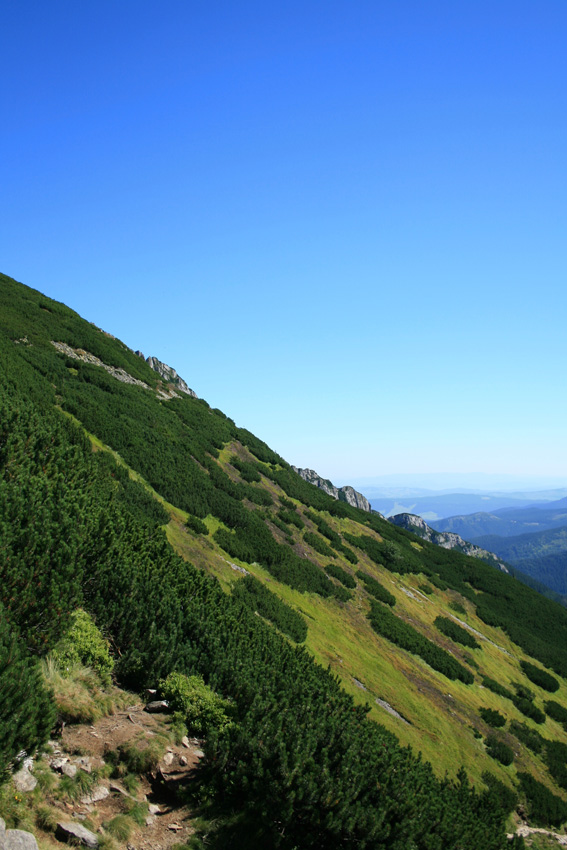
(343, 223)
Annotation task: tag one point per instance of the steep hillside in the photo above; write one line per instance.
(312, 617)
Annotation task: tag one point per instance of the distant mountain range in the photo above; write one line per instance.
(436, 506)
(506, 522)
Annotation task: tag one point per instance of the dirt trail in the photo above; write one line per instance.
(166, 822)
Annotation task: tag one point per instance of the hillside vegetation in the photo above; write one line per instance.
(199, 551)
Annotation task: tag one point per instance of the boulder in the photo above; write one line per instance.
(24, 780)
(76, 833)
(17, 839)
(157, 706)
(99, 793)
(69, 770)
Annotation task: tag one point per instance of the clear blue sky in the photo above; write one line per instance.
(344, 223)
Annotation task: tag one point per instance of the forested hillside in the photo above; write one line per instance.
(147, 509)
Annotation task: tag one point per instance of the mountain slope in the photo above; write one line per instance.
(301, 766)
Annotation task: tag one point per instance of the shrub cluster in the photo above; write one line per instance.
(492, 717)
(385, 623)
(202, 709)
(544, 807)
(498, 750)
(540, 677)
(530, 737)
(341, 575)
(375, 589)
(452, 630)
(556, 712)
(257, 596)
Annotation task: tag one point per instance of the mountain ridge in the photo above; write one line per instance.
(165, 578)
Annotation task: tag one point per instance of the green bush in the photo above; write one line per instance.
(556, 712)
(544, 808)
(385, 623)
(492, 717)
(84, 645)
(506, 797)
(540, 677)
(257, 596)
(341, 575)
(452, 630)
(496, 687)
(202, 708)
(375, 589)
(527, 736)
(316, 542)
(498, 750)
(197, 525)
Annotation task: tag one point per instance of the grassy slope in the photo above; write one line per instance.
(440, 712)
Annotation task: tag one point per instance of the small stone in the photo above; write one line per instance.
(153, 809)
(157, 705)
(73, 832)
(199, 753)
(57, 763)
(185, 741)
(24, 781)
(150, 820)
(99, 793)
(85, 764)
(175, 827)
(168, 759)
(69, 770)
(183, 761)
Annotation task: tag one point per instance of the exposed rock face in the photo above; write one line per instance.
(168, 374)
(342, 494)
(445, 539)
(87, 357)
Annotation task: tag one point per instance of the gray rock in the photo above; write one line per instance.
(24, 781)
(69, 770)
(153, 809)
(199, 754)
(85, 764)
(342, 494)
(445, 539)
(157, 705)
(185, 741)
(76, 832)
(99, 793)
(183, 761)
(169, 375)
(168, 759)
(150, 820)
(57, 763)
(17, 839)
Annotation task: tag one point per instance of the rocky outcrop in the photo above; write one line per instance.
(445, 539)
(342, 494)
(167, 374)
(87, 357)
